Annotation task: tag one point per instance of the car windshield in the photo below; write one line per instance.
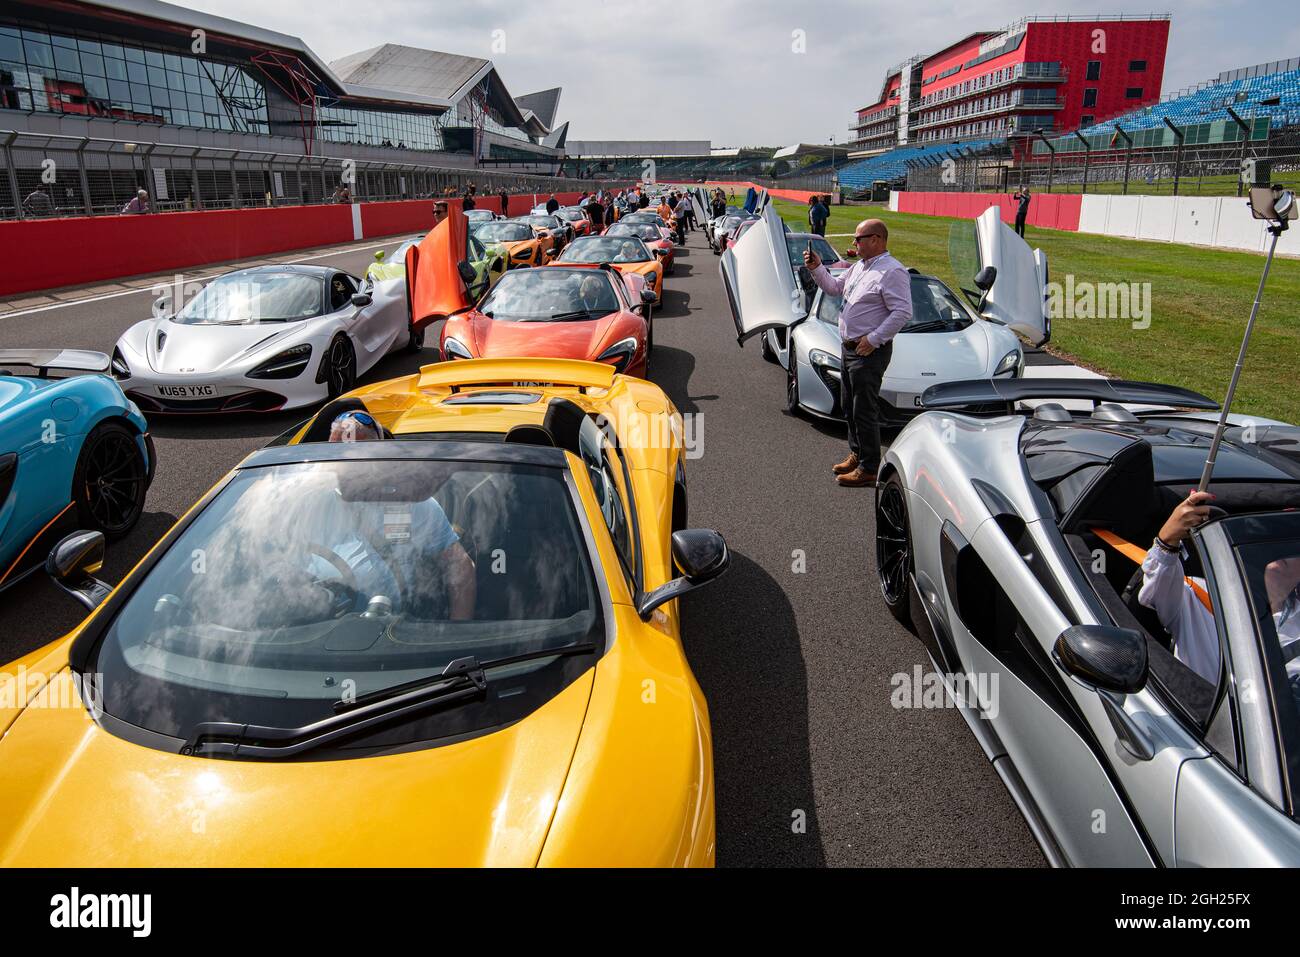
(479, 215)
(247, 298)
(606, 249)
(934, 308)
(541, 295)
(796, 245)
(301, 584)
(503, 232)
(640, 230)
(572, 214)
(545, 222)
(649, 218)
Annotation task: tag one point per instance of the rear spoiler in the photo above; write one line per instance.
(985, 392)
(64, 360)
(456, 373)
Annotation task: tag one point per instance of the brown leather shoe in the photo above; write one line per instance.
(848, 465)
(858, 478)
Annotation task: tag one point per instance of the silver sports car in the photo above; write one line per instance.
(1008, 545)
(263, 339)
(946, 340)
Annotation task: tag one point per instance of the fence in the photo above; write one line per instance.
(1200, 170)
(52, 175)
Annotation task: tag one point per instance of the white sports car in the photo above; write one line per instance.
(264, 339)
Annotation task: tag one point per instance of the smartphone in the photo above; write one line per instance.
(810, 249)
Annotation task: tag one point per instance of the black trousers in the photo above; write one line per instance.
(819, 228)
(860, 378)
(1020, 226)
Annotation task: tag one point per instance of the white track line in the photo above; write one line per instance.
(149, 288)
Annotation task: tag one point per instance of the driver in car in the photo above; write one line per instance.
(1183, 606)
(626, 253)
(388, 543)
(591, 294)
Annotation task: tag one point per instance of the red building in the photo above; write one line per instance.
(1053, 74)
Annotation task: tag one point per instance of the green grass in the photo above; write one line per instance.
(1200, 300)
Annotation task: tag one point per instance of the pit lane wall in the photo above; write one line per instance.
(1221, 222)
(44, 254)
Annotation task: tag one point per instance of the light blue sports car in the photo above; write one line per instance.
(75, 453)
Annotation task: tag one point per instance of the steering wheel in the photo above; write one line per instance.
(345, 593)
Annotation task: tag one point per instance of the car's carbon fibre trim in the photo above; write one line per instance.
(400, 448)
(973, 392)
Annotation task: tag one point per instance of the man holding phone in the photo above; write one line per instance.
(877, 295)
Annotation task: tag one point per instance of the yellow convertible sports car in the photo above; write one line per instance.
(455, 646)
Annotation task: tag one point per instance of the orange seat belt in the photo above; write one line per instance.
(1138, 554)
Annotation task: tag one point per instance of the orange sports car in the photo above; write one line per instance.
(565, 312)
(524, 246)
(628, 254)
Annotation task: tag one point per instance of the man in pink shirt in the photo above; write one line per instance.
(877, 294)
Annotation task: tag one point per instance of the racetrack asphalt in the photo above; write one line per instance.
(793, 647)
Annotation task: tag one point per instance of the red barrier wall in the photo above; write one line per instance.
(52, 253)
(1045, 210)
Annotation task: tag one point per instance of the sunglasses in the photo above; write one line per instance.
(858, 239)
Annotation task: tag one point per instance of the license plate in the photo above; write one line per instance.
(187, 391)
(533, 385)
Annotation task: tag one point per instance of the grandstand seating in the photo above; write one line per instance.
(892, 166)
(1276, 95)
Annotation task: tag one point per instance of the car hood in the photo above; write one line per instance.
(73, 795)
(212, 348)
(561, 340)
(925, 358)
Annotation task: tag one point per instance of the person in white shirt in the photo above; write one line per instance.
(1181, 603)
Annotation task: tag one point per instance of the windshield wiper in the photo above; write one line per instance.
(576, 314)
(930, 326)
(461, 680)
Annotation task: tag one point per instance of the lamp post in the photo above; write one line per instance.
(1051, 161)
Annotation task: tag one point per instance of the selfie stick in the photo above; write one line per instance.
(1282, 207)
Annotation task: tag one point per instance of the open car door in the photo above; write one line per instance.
(1018, 296)
(697, 202)
(436, 283)
(761, 286)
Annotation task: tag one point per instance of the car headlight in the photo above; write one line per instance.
(620, 353)
(827, 360)
(1009, 364)
(285, 365)
(455, 349)
(118, 364)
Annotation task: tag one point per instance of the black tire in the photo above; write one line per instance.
(340, 366)
(415, 338)
(768, 353)
(792, 385)
(110, 480)
(894, 549)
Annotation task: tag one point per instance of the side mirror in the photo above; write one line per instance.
(1113, 663)
(466, 272)
(647, 295)
(985, 277)
(379, 256)
(73, 563)
(660, 251)
(498, 265)
(361, 299)
(701, 555)
(1103, 657)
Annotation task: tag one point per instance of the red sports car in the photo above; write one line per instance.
(576, 218)
(566, 312)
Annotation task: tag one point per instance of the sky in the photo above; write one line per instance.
(730, 71)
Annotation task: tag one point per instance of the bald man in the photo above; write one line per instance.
(877, 294)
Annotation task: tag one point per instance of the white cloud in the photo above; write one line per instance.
(724, 70)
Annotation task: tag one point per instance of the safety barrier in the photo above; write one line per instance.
(1221, 222)
(72, 251)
